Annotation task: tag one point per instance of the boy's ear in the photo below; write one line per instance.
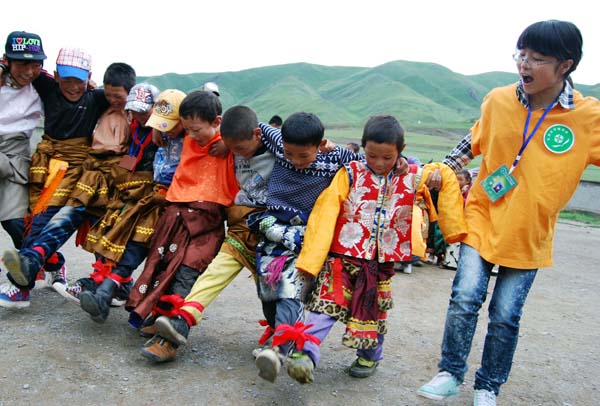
(217, 122)
(324, 142)
(402, 149)
(257, 133)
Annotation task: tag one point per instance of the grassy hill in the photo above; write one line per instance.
(421, 95)
(436, 105)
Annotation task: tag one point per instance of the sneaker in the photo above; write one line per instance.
(407, 268)
(43, 280)
(362, 368)
(268, 364)
(159, 349)
(69, 292)
(13, 297)
(173, 329)
(300, 367)
(483, 397)
(17, 266)
(147, 328)
(116, 302)
(442, 385)
(257, 351)
(59, 278)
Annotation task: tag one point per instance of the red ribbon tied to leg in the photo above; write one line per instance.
(296, 333)
(269, 331)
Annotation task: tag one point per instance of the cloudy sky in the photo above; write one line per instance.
(157, 37)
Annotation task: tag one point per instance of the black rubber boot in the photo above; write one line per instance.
(98, 304)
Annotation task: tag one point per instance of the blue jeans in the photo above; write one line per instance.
(469, 291)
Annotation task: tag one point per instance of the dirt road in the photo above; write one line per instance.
(53, 354)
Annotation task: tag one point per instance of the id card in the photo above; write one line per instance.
(128, 162)
(498, 183)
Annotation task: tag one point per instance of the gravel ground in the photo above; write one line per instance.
(53, 354)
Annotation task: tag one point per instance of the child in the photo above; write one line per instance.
(275, 121)
(464, 181)
(300, 174)
(363, 219)
(511, 213)
(191, 230)
(20, 112)
(120, 240)
(71, 113)
(132, 210)
(253, 166)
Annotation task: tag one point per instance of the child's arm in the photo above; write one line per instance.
(271, 138)
(321, 224)
(450, 211)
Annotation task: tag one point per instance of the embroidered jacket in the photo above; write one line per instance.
(375, 219)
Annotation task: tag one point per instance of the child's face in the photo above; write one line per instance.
(245, 148)
(462, 180)
(200, 130)
(116, 96)
(381, 158)
(301, 156)
(25, 72)
(540, 73)
(142, 118)
(175, 131)
(72, 88)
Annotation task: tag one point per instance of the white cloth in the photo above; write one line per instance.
(20, 110)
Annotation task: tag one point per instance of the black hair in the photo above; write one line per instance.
(203, 105)
(303, 129)
(355, 147)
(383, 129)
(239, 123)
(466, 174)
(559, 39)
(276, 120)
(120, 74)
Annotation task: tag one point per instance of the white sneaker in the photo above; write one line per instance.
(43, 280)
(59, 279)
(482, 397)
(268, 364)
(407, 268)
(442, 386)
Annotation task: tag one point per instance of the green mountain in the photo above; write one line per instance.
(420, 95)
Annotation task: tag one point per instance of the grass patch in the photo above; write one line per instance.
(584, 217)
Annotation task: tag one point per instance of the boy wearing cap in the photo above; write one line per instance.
(20, 112)
(120, 239)
(71, 113)
(190, 231)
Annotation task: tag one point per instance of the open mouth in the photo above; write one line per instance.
(526, 79)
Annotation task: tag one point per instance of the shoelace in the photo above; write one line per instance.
(9, 289)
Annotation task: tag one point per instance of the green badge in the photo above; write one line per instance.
(499, 183)
(559, 138)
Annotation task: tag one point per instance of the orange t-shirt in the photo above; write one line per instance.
(202, 177)
(518, 229)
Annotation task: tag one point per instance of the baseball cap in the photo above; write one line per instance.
(73, 63)
(165, 114)
(141, 97)
(210, 87)
(25, 46)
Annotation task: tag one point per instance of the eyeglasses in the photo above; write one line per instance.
(533, 62)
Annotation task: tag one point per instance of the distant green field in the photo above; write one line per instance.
(429, 147)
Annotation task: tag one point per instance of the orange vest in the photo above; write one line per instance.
(203, 177)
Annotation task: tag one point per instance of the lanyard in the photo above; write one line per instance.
(137, 147)
(526, 138)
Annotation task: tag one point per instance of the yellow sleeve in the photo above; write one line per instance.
(450, 211)
(321, 224)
